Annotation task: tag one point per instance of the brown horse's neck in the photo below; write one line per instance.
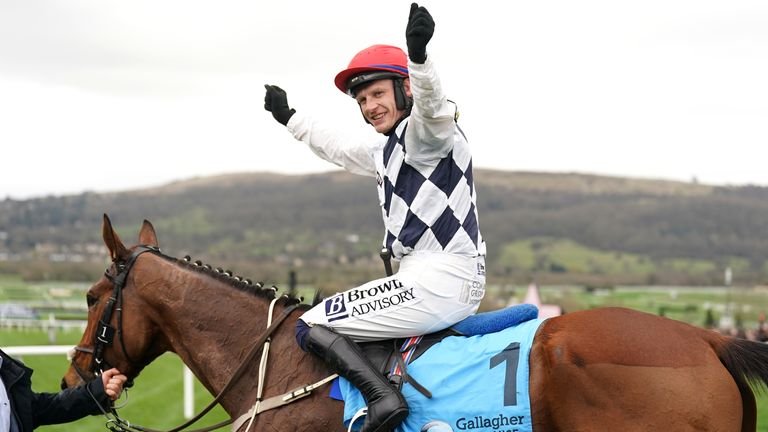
(212, 326)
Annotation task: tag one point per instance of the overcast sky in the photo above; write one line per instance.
(111, 95)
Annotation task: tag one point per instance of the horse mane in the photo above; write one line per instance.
(238, 282)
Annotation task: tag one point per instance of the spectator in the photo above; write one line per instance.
(22, 410)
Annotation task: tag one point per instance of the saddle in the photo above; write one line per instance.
(471, 376)
(392, 356)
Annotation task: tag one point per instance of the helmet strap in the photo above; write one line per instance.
(402, 101)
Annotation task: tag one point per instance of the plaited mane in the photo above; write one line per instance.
(238, 282)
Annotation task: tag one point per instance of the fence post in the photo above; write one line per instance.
(189, 394)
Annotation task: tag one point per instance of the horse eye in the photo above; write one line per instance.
(91, 300)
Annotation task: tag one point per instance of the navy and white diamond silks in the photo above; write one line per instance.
(429, 205)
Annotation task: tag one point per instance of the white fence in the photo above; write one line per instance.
(36, 324)
(19, 351)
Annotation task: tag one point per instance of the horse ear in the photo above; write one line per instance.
(147, 234)
(112, 240)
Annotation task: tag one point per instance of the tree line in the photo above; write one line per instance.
(331, 222)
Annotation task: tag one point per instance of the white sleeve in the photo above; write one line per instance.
(431, 127)
(352, 155)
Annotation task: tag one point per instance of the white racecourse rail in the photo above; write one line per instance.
(18, 351)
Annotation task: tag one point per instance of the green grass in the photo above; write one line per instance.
(762, 411)
(544, 254)
(14, 289)
(687, 304)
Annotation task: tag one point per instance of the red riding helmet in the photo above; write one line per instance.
(373, 63)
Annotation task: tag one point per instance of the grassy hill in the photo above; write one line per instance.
(549, 227)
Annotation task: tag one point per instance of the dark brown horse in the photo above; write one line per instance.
(600, 370)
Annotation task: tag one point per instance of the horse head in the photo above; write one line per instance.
(148, 303)
(121, 330)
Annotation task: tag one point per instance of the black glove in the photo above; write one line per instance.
(276, 102)
(419, 31)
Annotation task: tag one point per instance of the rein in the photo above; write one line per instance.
(262, 405)
(105, 337)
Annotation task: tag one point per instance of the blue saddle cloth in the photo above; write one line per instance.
(479, 383)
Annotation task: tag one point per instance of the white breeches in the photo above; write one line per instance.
(430, 292)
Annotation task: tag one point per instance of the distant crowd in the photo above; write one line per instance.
(760, 333)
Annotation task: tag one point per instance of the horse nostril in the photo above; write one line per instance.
(63, 384)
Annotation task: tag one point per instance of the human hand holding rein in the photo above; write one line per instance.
(113, 382)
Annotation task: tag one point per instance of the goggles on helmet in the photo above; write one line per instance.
(365, 78)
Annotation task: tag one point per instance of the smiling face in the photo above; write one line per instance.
(377, 103)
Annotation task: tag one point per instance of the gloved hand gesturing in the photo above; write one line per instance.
(276, 102)
(419, 31)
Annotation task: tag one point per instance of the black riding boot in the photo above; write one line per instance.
(386, 406)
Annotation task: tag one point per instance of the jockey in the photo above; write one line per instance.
(423, 169)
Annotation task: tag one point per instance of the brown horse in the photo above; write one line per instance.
(600, 370)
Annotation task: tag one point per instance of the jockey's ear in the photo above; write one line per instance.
(407, 87)
(116, 248)
(147, 234)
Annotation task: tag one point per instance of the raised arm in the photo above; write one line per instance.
(430, 132)
(330, 145)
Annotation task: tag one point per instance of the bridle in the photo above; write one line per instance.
(105, 337)
(105, 333)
